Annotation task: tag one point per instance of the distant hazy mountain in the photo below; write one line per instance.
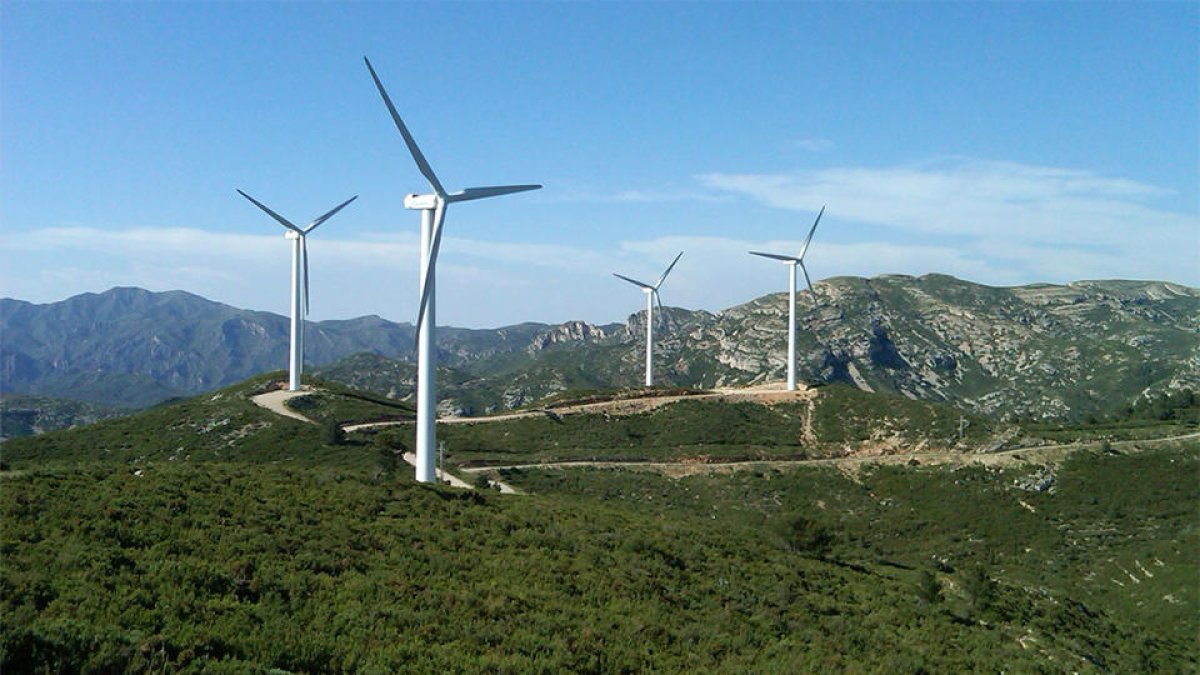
(1041, 350)
(128, 346)
(132, 347)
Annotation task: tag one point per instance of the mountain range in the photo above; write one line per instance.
(1038, 351)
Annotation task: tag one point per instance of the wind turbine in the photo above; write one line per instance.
(299, 237)
(791, 262)
(433, 214)
(651, 292)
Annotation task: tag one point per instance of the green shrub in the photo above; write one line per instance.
(979, 589)
(333, 433)
(928, 589)
(805, 535)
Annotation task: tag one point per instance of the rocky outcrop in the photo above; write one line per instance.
(572, 331)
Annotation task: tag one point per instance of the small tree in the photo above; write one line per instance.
(979, 588)
(334, 434)
(805, 535)
(929, 589)
(388, 461)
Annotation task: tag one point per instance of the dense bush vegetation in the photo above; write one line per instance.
(211, 535)
(1181, 404)
(709, 429)
(214, 565)
(1165, 413)
(1104, 519)
(224, 425)
(846, 415)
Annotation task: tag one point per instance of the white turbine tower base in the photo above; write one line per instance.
(296, 345)
(791, 381)
(651, 292)
(792, 262)
(299, 238)
(433, 215)
(649, 338)
(426, 348)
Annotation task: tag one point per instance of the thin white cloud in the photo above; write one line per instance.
(157, 240)
(488, 283)
(975, 198)
(527, 255)
(657, 195)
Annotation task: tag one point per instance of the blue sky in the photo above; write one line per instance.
(1004, 143)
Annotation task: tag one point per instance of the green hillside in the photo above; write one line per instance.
(255, 566)
(699, 428)
(213, 535)
(1107, 530)
(224, 425)
(22, 415)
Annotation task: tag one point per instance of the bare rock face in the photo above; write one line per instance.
(1042, 480)
(572, 331)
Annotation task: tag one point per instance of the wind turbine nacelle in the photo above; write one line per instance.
(420, 202)
(291, 234)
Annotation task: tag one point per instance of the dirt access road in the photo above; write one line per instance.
(766, 394)
(275, 402)
(851, 465)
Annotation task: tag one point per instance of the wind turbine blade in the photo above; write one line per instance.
(469, 194)
(313, 225)
(809, 282)
(439, 216)
(776, 256)
(808, 239)
(282, 221)
(635, 282)
(669, 268)
(304, 257)
(415, 151)
(662, 315)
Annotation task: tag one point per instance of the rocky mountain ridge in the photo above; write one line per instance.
(1041, 351)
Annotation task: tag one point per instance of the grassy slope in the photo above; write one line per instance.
(219, 426)
(22, 415)
(691, 429)
(1107, 518)
(232, 566)
(280, 550)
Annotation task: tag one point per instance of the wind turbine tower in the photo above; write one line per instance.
(792, 262)
(651, 292)
(433, 214)
(299, 238)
